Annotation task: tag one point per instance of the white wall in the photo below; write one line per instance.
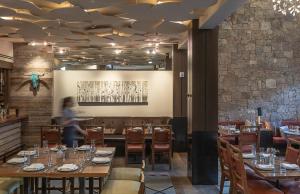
(160, 92)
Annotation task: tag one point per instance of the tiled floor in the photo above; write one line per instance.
(179, 177)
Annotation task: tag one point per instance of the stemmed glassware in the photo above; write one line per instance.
(50, 160)
(93, 146)
(75, 146)
(45, 146)
(26, 160)
(36, 149)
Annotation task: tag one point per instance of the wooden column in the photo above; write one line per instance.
(203, 103)
(179, 81)
(179, 123)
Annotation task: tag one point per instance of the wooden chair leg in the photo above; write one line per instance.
(21, 189)
(126, 158)
(64, 183)
(36, 185)
(144, 155)
(49, 185)
(230, 187)
(222, 184)
(153, 159)
(170, 160)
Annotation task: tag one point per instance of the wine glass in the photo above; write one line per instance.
(93, 146)
(75, 145)
(36, 149)
(45, 146)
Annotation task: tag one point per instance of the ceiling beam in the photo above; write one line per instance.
(217, 13)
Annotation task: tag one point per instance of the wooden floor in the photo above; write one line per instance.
(179, 176)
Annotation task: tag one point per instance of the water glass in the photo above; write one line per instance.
(27, 160)
(81, 160)
(254, 149)
(75, 145)
(93, 146)
(37, 151)
(282, 168)
(45, 146)
(50, 160)
(87, 156)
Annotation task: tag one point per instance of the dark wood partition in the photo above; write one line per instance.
(203, 103)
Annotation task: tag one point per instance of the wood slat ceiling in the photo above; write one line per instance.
(90, 31)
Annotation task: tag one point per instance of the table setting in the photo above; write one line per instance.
(267, 164)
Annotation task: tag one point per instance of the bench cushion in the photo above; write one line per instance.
(123, 173)
(9, 185)
(121, 186)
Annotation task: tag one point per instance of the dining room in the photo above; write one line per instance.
(149, 97)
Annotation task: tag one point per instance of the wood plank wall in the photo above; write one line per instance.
(10, 137)
(37, 105)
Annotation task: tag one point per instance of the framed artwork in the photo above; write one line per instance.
(112, 93)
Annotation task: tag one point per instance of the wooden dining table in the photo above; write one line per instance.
(87, 170)
(276, 174)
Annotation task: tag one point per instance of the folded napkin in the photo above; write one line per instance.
(290, 166)
(84, 147)
(137, 128)
(248, 155)
(103, 153)
(26, 153)
(265, 166)
(34, 167)
(101, 160)
(17, 160)
(67, 167)
(55, 149)
(265, 155)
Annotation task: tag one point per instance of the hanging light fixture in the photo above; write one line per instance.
(291, 7)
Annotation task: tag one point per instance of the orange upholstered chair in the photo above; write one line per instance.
(292, 156)
(237, 124)
(135, 141)
(162, 143)
(95, 133)
(240, 182)
(224, 163)
(52, 134)
(249, 136)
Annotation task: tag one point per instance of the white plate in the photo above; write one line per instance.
(55, 149)
(34, 167)
(101, 160)
(26, 153)
(248, 155)
(103, 153)
(68, 168)
(17, 160)
(265, 167)
(84, 148)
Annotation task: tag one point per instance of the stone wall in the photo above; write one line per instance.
(259, 56)
(36, 104)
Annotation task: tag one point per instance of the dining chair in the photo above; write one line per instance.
(279, 140)
(161, 143)
(224, 164)
(249, 136)
(292, 156)
(52, 134)
(95, 133)
(241, 184)
(292, 153)
(134, 142)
